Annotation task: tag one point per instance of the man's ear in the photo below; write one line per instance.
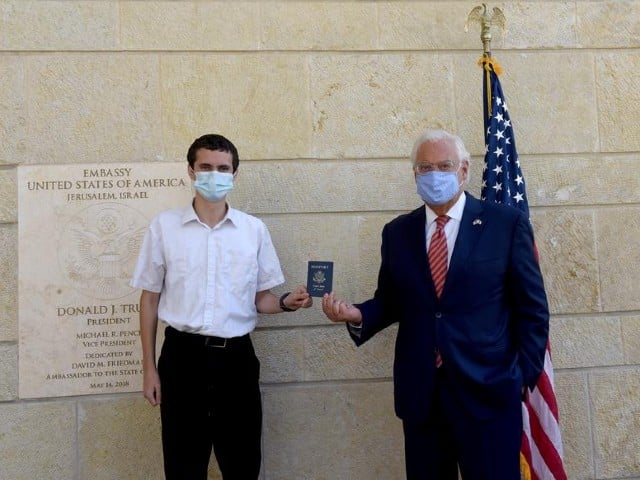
(191, 173)
(465, 171)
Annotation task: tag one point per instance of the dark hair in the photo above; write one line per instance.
(215, 143)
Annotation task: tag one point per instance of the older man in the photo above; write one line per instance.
(461, 279)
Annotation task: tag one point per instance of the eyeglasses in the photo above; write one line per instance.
(424, 168)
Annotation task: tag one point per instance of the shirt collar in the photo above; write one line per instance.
(189, 215)
(232, 215)
(454, 212)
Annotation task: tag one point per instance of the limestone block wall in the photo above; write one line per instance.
(324, 100)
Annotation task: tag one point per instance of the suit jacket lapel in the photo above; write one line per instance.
(417, 244)
(417, 237)
(418, 251)
(471, 227)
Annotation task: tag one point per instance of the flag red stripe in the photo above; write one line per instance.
(546, 390)
(545, 446)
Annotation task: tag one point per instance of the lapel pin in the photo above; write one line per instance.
(477, 221)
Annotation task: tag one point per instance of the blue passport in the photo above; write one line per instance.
(319, 278)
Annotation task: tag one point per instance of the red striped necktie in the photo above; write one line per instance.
(438, 260)
(438, 254)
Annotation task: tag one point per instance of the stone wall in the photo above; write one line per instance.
(324, 100)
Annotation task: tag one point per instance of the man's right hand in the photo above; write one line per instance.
(339, 310)
(151, 386)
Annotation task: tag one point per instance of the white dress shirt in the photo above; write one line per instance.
(451, 228)
(207, 277)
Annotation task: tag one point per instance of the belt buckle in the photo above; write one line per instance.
(208, 342)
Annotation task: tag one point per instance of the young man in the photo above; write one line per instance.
(206, 271)
(460, 277)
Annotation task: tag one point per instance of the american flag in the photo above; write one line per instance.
(503, 182)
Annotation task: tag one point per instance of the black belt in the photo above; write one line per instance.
(204, 340)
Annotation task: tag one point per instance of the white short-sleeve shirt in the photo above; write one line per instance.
(207, 277)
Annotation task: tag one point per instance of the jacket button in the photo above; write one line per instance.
(438, 314)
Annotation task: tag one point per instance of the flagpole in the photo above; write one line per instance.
(503, 182)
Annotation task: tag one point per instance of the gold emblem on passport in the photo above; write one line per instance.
(319, 277)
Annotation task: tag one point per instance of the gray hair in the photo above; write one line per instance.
(434, 136)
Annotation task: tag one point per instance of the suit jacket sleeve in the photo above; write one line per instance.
(528, 303)
(377, 312)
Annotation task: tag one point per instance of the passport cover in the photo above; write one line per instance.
(319, 278)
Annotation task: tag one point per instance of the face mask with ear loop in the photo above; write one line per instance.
(213, 186)
(437, 188)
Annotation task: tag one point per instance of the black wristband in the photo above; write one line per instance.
(283, 307)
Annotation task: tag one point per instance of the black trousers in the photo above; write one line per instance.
(483, 449)
(210, 399)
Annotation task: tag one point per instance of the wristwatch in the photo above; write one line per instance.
(283, 307)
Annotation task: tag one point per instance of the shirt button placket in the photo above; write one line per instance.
(210, 286)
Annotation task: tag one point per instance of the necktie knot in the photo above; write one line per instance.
(441, 220)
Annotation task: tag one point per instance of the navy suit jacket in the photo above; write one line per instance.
(491, 324)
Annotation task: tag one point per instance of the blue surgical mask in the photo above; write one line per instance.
(437, 188)
(213, 186)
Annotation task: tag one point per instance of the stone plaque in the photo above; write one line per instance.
(80, 229)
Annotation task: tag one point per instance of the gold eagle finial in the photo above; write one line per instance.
(481, 15)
